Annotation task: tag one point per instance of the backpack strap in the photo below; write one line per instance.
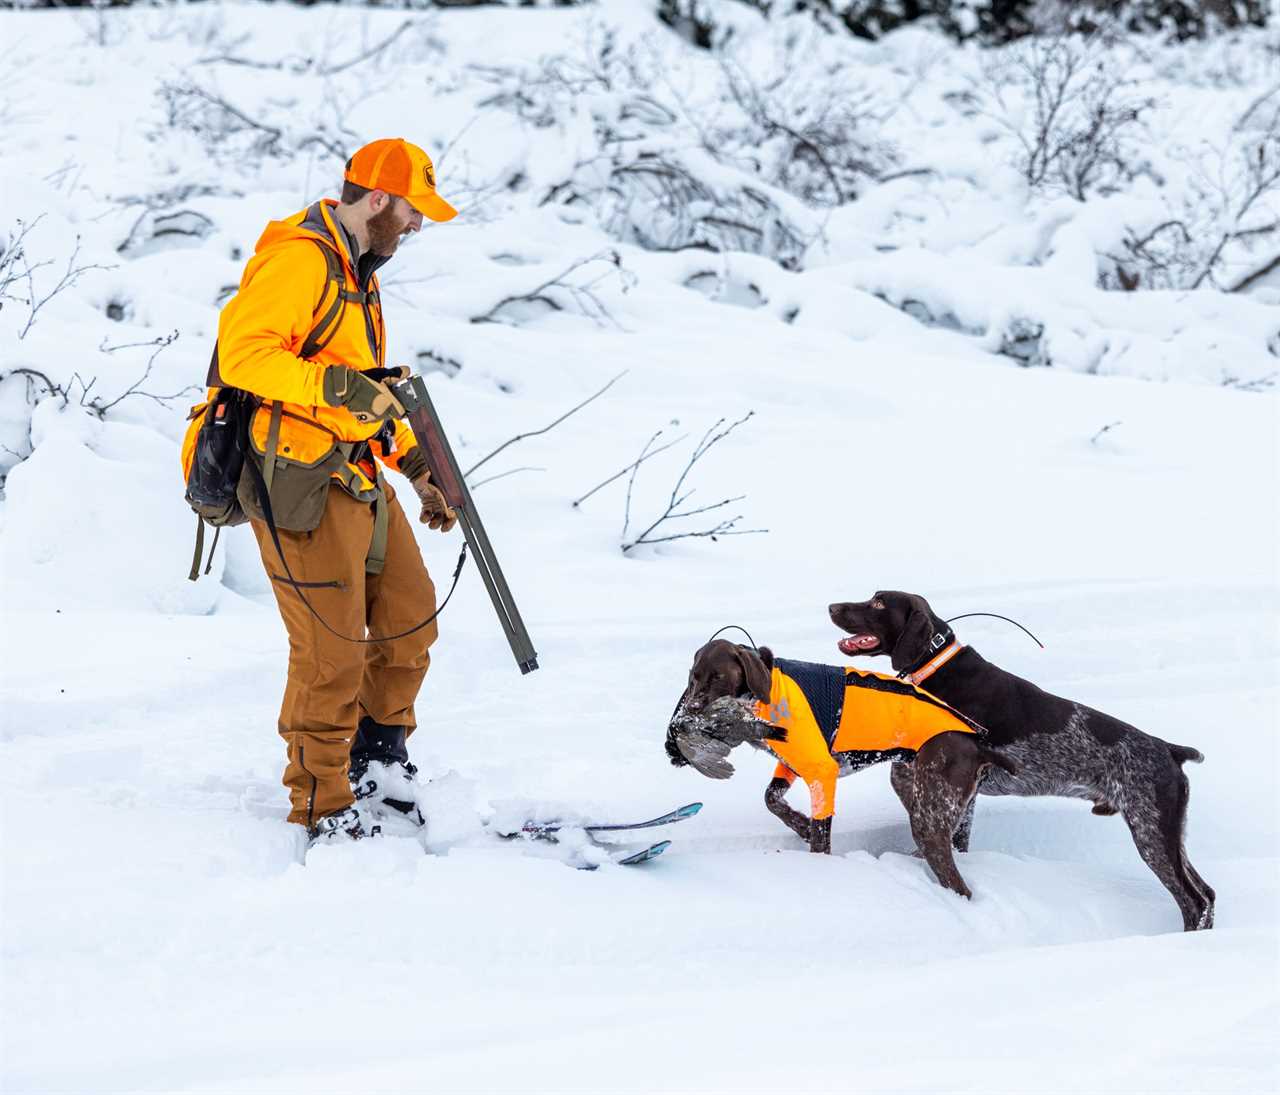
(214, 377)
(327, 326)
(199, 553)
(273, 444)
(376, 557)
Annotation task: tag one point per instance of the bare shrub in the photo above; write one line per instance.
(18, 281)
(652, 171)
(569, 290)
(39, 386)
(1077, 119)
(233, 136)
(658, 531)
(807, 130)
(1227, 211)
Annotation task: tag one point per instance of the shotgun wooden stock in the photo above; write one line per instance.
(425, 423)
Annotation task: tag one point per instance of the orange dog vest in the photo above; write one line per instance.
(827, 711)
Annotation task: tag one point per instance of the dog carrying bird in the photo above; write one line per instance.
(821, 722)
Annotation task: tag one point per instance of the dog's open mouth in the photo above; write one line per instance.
(858, 644)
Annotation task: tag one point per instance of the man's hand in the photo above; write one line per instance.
(436, 512)
(370, 400)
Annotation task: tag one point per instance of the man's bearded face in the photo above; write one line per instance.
(396, 219)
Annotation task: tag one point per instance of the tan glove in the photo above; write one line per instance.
(436, 512)
(368, 399)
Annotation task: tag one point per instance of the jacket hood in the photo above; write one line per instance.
(309, 223)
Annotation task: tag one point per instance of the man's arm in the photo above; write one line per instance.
(274, 311)
(406, 456)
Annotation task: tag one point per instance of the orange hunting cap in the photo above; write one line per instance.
(398, 167)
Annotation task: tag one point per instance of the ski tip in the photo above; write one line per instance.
(644, 855)
(690, 810)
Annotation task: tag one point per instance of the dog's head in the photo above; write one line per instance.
(717, 711)
(722, 668)
(901, 625)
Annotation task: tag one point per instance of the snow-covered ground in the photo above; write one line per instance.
(159, 931)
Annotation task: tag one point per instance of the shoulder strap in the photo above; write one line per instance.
(214, 378)
(315, 342)
(327, 326)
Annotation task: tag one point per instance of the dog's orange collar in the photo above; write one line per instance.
(934, 664)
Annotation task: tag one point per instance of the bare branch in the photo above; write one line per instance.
(725, 528)
(629, 468)
(551, 426)
(673, 511)
(333, 70)
(160, 344)
(1244, 118)
(582, 295)
(644, 455)
(9, 274)
(1260, 273)
(1105, 429)
(502, 475)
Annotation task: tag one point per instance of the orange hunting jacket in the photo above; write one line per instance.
(827, 711)
(284, 291)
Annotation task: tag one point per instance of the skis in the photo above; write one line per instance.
(539, 829)
(631, 858)
(622, 856)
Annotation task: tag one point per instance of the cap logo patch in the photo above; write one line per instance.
(429, 176)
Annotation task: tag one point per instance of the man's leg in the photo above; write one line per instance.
(397, 599)
(319, 712)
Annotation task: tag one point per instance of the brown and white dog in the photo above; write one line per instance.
(1059, 747)
(825, 721)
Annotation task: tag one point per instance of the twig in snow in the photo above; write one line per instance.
(629, 468)
(582, 295)
(673, 511)
(1257, 275)
(635, 468)
(373, 51)
(551, 426)
(11, 274)
(1257, 384)
(502, 475)
(1109, 426)
(160, 344)
(95, 404)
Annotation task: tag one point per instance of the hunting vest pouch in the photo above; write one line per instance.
(215, 458)
(304, 468)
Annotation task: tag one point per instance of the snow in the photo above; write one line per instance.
(160, 931)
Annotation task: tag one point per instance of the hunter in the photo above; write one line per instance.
(305, 335)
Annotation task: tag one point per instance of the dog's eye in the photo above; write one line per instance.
(877, 604)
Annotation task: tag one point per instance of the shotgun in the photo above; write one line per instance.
(425, 423)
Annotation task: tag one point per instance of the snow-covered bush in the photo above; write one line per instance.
(738, 163)
(1076, 115)
(1224, 213)
(989, 22)
(636, 161)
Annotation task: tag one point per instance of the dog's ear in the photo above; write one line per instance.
(766, 656)
(759, 677)
(913, 643)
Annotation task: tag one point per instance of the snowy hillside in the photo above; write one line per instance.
(952, 394)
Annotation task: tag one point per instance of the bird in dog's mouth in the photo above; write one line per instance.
(704, 738)
(853, 645)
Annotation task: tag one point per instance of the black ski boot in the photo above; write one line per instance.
(382, 778)
(343, 826)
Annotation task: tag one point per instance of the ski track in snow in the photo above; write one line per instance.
(161, 934)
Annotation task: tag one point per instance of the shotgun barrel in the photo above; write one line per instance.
(425, 423)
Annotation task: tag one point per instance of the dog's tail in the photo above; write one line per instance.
(992, 756)
(1183, 753)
